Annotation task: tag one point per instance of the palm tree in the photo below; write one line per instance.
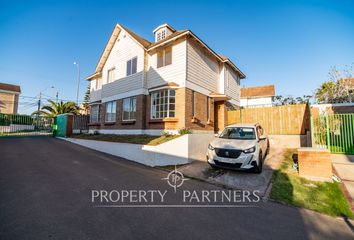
(54, 109)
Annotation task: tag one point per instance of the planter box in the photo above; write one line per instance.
(315, 163)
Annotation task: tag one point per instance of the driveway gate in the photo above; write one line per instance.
(15, 124)
(334, 132)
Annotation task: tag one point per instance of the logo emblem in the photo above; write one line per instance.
(175, 179)
(227, 153)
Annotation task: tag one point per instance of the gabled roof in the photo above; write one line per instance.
(115, 33)
(259, 91)
(149, 46)
(10, 87)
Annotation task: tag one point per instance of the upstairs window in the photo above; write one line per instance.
(132, 66)
(164, 57)
(111, 111)
(110, 75)
(163, 34)
(158, 38)
(129, 108)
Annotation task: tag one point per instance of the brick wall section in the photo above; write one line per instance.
(314, 162)
(183, 115)
(8, 103)
(200, 112)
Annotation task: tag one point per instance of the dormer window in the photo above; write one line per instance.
(162, 31)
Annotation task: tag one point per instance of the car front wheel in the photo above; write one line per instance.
(259, 167)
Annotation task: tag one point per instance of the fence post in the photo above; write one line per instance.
(312, 132)
(327, 133)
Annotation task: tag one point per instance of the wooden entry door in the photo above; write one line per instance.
(219, 116)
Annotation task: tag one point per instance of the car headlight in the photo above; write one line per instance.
(250, 150)
(210, 147)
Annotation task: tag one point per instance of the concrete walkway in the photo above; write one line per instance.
(236, 179)
(344, 167)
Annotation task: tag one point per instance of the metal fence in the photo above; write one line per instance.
(14, 124)
(334, 132)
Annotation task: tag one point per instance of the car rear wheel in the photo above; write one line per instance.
(259, 167)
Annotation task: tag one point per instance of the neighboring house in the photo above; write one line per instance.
(176, 82)
(260, 96)
(9, 98)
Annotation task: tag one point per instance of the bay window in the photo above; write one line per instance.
(163, 104)
(129, 108)
(111, 111)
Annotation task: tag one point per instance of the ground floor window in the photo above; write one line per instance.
(129, 108)
(94, 113)
(111, 111)
(163, 104)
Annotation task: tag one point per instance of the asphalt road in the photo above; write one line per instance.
(45, 193)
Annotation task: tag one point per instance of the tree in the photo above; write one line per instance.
(339, 88)
(280, 100)
(54, 109)
(86, 103)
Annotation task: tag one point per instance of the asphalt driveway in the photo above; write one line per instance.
(46, 189)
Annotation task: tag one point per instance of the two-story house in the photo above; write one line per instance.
(9, 98)
(142, 87)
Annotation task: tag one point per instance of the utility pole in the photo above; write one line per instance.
(78, 82)
(56, 97)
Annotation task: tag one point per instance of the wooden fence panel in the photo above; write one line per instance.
(290, 119)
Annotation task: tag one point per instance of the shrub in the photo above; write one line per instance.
(183, 131)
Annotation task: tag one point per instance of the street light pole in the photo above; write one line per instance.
(78, 82)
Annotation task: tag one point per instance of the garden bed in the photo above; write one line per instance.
(289, 188)
(136, 139)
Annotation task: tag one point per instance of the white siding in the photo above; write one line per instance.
(122, 85)
(124, 49)
(202, 70)
(175, 72)
(95, 95)
(254, 102)
(232, 85)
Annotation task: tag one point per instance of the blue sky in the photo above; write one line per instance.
(291, 44)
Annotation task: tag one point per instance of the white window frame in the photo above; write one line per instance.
(132, 109)
(131, 66)
(109, 75)
(153, 111)
(163, 57)
(163, 34)
(111, 110)
(95, 118)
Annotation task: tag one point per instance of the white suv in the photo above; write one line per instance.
(239, 146)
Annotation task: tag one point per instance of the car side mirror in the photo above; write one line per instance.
(262, 137)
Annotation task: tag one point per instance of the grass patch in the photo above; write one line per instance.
(136, 139)
(323, 197)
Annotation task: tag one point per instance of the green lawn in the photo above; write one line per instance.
(291, 189)
(137, 139)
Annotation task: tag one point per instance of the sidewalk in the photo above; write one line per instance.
(344, 168)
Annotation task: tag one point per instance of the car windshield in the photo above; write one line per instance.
(245, 133)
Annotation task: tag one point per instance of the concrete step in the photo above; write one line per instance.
(342, 158)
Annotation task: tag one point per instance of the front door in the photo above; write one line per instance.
(219, 116)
